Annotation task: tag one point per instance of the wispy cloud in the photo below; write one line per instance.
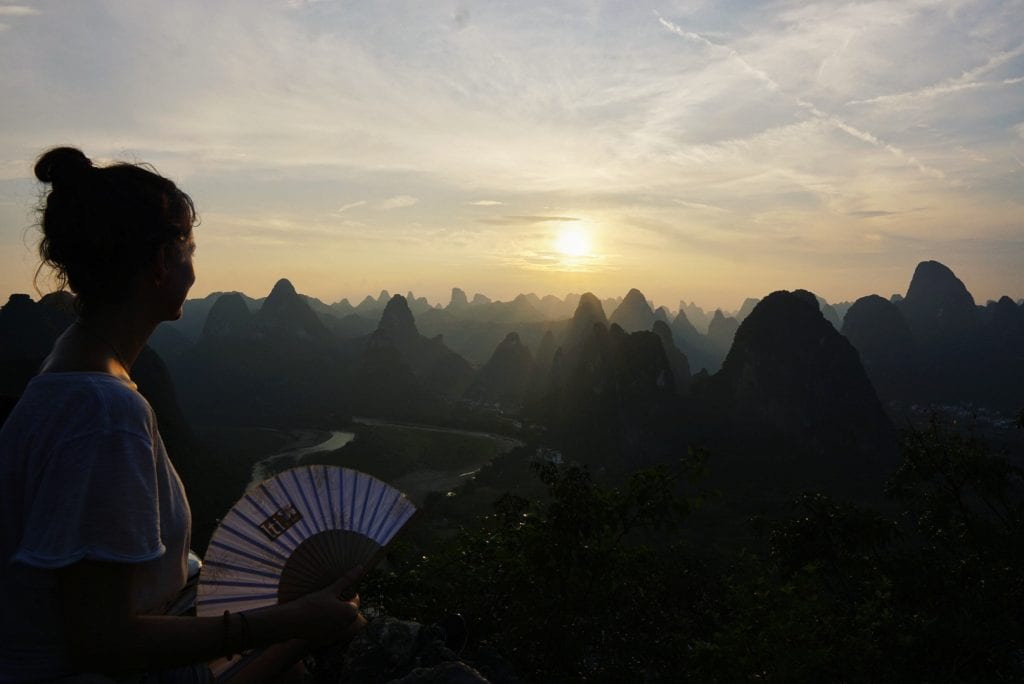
(485, 203)
(872, 214)
(526, 220)
(800, 102)
(351, 205)
(965, 81)
(397, 202)
(17, 11)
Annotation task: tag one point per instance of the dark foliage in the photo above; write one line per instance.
(584, 584)
(569, 588)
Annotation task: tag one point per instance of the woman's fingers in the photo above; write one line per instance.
(345, 581)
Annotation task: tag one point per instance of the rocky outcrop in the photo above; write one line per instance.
(458, 301)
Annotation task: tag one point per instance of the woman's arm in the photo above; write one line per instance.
(104, 635)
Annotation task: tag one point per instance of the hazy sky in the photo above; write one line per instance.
(703, 151)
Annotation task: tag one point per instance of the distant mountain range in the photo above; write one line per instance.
(790, 388)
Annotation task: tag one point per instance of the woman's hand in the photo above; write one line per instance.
(332, 613)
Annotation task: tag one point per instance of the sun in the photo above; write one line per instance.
(573, 242)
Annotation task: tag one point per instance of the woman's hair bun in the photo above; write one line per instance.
(61, 165)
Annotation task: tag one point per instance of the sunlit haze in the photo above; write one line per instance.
(703, 151)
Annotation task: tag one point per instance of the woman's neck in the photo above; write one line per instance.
(107, 341)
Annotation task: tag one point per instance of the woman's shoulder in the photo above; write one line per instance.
(87, 400)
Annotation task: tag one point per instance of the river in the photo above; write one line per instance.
(283, 460)
(416, 484)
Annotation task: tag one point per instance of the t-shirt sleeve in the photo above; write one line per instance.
(95, 499)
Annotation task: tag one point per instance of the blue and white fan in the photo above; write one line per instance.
(295, 533)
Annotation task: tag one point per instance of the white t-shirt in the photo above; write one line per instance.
(83, 475)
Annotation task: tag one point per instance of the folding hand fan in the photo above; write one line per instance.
(295, 533)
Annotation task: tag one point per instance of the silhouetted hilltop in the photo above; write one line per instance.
(677, 360)
(879, 332)
(520, 310)
(612, 401)
(505, 377)
(281, 368)
(588, 313)
(1003, 348)
(397, 323)
(339, 309)
(683, 330)
(1006, 322)
(721, 331)
(285, 313)
(25, 329)
(458, 301)
(417, 305)
(540, 374)
(938, 305)
(554, 308)
(195, 312)
(949, 337)
(745, 308)
(830, 313)
(792, 389)
(27, 332)
(634, 313)
(438, 369)
(699, 350)
(934, 346)
(229, 315)
(696, 315)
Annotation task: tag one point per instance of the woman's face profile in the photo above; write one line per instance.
(180, 276)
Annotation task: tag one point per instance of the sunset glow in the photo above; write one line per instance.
(729, 150)
(573, 242)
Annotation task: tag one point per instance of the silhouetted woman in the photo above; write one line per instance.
(94, 523)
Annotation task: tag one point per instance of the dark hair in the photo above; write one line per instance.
(102, 225)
